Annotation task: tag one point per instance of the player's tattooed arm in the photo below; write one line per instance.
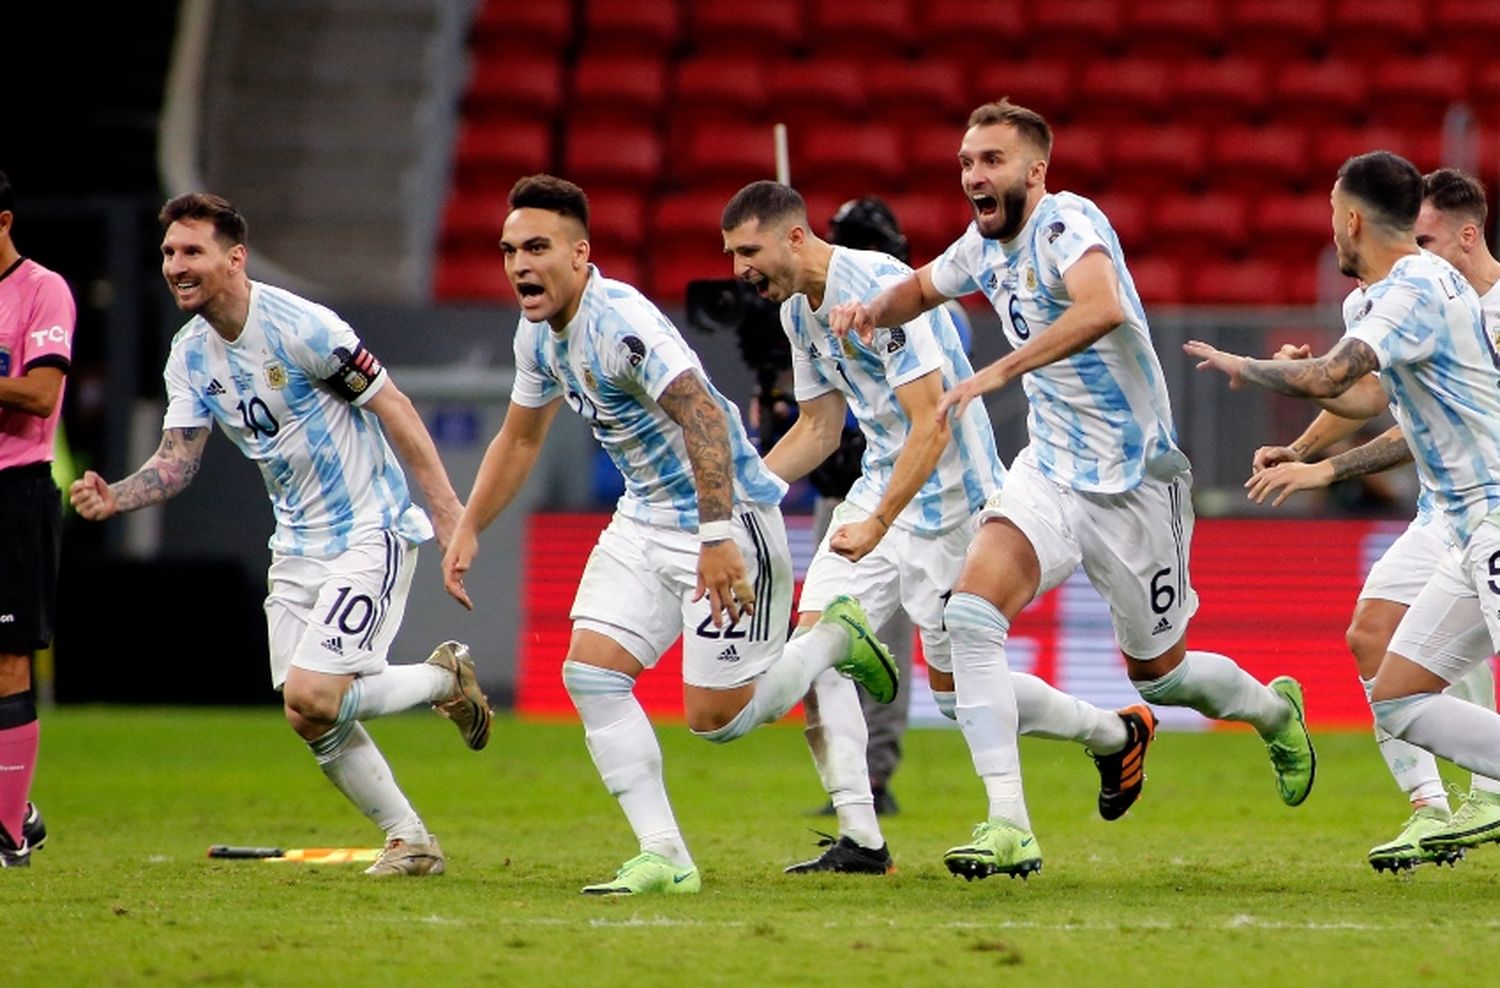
(166, 474)
(1386, 450)
(1320, 377)
(706, 434)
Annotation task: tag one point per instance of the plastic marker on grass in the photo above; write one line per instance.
(297, 855)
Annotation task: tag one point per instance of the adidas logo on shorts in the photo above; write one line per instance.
(334, 645)
(214, 388)
(1162, 625)
(729, 655)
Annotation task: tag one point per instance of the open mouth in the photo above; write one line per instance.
(526, 290)
(985, 206)
(759, 282)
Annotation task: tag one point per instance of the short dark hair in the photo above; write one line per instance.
(765, 202)
(7, 196)
(1389, 184)
(229, 226)
(556, 195)
(1452, 191)
(1032, 125)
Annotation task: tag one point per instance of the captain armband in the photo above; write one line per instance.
(353, 373)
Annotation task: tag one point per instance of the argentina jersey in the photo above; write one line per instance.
(1100, 420)
(611, 364)
(867, 376)
(1438, 366)
(288, 393)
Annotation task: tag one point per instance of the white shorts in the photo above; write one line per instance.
(338, 615)
(637, 589)
(1133, 546)
(913, 572)
(1405, 567)
(1454, 624)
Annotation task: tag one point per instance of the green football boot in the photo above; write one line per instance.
(1475, 822)
(1291, 747)
(647, 873)
(869, 662)
(998, 847)
(1406, 850)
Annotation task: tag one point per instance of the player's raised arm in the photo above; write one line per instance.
(403, 425)
(165, 475)
(507, 463)
(900, 303)
(721, 568)
(1329, 376)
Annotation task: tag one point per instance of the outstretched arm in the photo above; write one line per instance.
(414, 444)
(1327, 376)
(898, 304)
(165, 475)
(1386, 450)
(705, 432)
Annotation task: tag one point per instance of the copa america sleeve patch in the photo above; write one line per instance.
(353, 373)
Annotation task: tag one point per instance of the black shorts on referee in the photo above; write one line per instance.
(30, 543)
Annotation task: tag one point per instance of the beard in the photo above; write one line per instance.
(1011, 211)
(1348, 260)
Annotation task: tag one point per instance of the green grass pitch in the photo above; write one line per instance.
(1208, 881)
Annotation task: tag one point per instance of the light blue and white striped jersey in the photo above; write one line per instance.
(611, 363)
(1439, 367)
(288, 392)
(867, 377)
(1100, 420)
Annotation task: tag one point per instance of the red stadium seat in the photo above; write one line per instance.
(1416, 92)
(688, 220)
(930, 221)
(617, 220)
(672, 269)
(619, 89)
(505, 28)
(1158, 280)
(621, 266)
(1076, 28)
(1196, 226)
(630, 26)
(1130, 215)
(472, 222)
(915, 93)
(1178, 29)
(871, 151)
(1329, 92)
(972, 33)
(1217, 92)
(727, 154)
(720, 27)
(1044, 85)
(1255, 282)
(1485, 92)
(1330, 148)
(1377, 29)
(471, 277)
(1466, 28)
(1128, 89)
(623, 154)
(1277, 30)
(805, 94)
(932, 156)
(719, 87)
(1157, 159)
(1292, 227)
(524, 86)
(864, 28)
(1261, 159)
(492, 154)
(1080, 158)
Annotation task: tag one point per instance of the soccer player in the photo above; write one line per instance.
(36, 346)
(1422, 329)
(293, 387)
(698, 502)
(900, 536)
(1102, 481)
(1450, 224)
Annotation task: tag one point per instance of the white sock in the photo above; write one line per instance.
(395, 689)
(1414, 770)
(1464, 733)
(782, 687)
(625, 751)
(1047, 712)
(348, 756)
(1215, 686)
(987, 702)
(837, 736)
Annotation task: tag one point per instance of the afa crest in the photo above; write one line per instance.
(1031, 279)
(590, 380)
(275, 375)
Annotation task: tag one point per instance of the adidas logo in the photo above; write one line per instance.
(1162, 625)
(729, 655)
(334, 645)
(214, 388)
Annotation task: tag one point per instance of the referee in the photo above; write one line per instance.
(36, 339)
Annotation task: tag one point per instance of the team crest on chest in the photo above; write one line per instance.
(849, 349)
(590, 380)
(1031, 279)
(275, 375)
